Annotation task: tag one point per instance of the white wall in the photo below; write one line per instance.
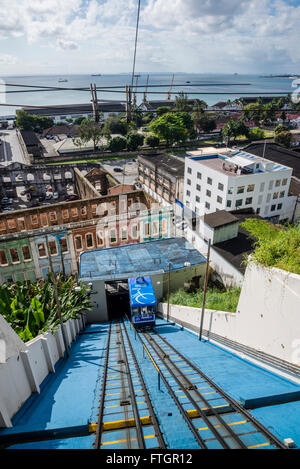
(267, 317)
(26, 368)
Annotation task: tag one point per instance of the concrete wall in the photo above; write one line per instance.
(27, 365)
(267, 317)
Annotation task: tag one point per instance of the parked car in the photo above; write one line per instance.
(55, 195)
(42, 197)
(6, 200)
(19, 177)
(24, 192)
(7, 209)
(71, 197)
(48, 196)
(118, 170)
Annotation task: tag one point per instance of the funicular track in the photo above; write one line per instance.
(215, 419)
(126, 418)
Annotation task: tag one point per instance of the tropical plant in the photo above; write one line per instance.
(134, 140)
(152, 141)
(30, 307)
(284, 139)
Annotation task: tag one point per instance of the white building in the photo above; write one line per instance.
(237, 180)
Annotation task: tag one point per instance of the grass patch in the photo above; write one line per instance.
(92, 160)
(215, 299)
(276, 246)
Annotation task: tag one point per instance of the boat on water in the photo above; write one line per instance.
(96, 75)
(62, 80)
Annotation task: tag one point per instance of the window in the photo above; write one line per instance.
(240, 189)
(266, 209)
(113, 235)
(208, 193)
(41, 250)
(52, 216)
(14, 255)
(220, 186)
(26, 253)
(275, 195)
(89, 240)
(11, 224)
(250, 188)
(53, 248)
(64, 245)
(230, 190)
(155, 228)
(228, 203)
(219, 199)
(78, 242)
(248, 200)
(262, 187)
(189, 182)
(74, 212)
(198, 187)
(189, 170)
(147, 229)
(134, 232)
(44, 219)
(271, 185)
(3, 258)
(207, 205)
(21, 224)
(268, 197)
(83, 211)
(258, 211)
(239, 202)
(124, 233)
(197, 198)
(273, 207)
(277, 183)
(65, 213)
(199, 175)
(260, 199)
(188, 193)
(284, 182)
(279, 206)
(281, 194)
(100, 238)
(209, 181)
(2, 226)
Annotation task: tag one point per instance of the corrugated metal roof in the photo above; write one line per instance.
(138, 259)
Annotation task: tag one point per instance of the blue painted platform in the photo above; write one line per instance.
(71, 395)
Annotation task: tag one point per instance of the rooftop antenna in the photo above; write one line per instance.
(171, 87)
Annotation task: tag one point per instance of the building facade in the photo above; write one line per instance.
(237, 180)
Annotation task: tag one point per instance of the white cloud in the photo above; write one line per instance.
(7, 59)
(66, 45)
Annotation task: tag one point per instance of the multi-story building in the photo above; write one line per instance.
(237, 180)
(65, 230)
(162, 175)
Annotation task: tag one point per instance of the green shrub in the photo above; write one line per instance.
(215, 299)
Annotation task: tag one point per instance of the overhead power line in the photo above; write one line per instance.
(136, 39)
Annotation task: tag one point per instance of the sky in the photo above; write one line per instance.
(193, 36)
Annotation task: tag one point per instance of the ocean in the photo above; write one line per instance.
(204, 83)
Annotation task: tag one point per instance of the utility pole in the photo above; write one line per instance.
(128, 103)
(170, 90)
(94, 100)
(168, 307)
(56, 298)
(146, 89)
(204, 292)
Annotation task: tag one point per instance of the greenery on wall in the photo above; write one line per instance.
(30, 307)
(276, 246)
(215, 299)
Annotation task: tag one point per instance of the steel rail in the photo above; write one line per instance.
(187, 419)
(154, 420)
(97, 441)
(161, 353)
(235, 405)
(139, 430)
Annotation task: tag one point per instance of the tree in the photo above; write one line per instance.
(269, 113)
(284, 139)
(152, 141)
(134, 140)
(162, 110)
(115, 125)
(280, 128)
(137, 116)
(181, 102)
(117, 144)
(234, 128)
(206, 123)
(26, 121)
(89, 130)
(169, 127)
(78, 120)
(256, 134)
(198, 112)
(147, 117)
(252, 112)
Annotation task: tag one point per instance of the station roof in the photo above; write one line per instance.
(151, 257)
